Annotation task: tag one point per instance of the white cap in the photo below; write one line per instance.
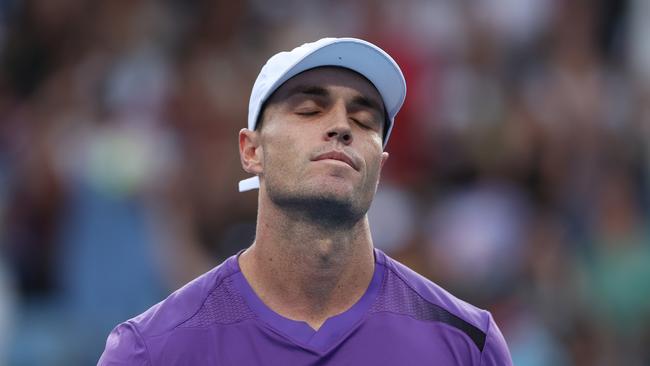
(351, 53)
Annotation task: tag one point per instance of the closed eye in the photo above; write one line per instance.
(307, 113)
(366, 124)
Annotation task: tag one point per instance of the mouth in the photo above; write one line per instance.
(339, 156)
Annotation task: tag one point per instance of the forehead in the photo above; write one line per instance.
(329, 76)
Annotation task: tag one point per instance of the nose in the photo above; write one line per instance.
(344, 136)
(339, 127)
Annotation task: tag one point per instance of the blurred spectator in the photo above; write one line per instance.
(475, 238)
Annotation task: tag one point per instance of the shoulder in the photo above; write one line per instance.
(407, 292)
(399, 278)
(184, 304)
(131, 340)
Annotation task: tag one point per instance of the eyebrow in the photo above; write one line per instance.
(312, 90)
(319, 91)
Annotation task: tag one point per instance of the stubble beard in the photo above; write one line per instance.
(320, 208)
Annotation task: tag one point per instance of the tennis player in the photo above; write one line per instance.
(311, 289)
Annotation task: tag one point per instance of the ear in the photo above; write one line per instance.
(384, 157)
(250, 151)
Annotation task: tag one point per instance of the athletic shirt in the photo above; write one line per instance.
(217, 319)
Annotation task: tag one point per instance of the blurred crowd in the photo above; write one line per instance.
(518, 175)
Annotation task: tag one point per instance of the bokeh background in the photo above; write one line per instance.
(518, 175)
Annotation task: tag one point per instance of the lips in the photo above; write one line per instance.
(337, 155)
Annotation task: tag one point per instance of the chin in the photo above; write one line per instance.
(332, 209)
(327, 204)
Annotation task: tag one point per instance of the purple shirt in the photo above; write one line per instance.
(217, 319)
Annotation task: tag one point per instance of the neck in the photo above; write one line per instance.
(305, 271)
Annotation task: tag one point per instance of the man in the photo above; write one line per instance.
(311, 290)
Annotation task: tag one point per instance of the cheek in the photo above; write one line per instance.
(373, 167)
(281, 151)
(374, 152)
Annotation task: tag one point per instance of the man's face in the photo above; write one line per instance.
(321, 142)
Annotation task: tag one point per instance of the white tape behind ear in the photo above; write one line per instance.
(249, 184)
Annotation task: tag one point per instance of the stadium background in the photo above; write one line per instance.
(518, 176)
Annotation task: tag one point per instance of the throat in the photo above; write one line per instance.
(309, 285)
(318, 280)
(329, 256)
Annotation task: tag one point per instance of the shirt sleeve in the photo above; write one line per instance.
(495, 352)
(124, 346)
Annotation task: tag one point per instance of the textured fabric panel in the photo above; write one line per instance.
(397, 297)
(223, 306)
